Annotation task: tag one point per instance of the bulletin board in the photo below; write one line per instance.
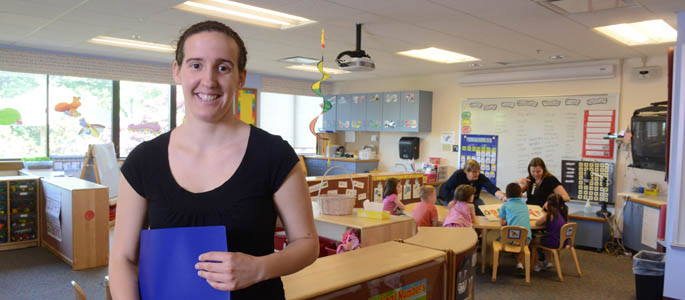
(246, 106)
(554, 128)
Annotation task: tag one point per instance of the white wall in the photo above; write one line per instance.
(447, 94)
(675, 219)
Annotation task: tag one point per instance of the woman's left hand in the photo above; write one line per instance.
(229, 271)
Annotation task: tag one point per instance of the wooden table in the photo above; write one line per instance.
(335, 272)
(372, 231)
(460, 245)
(486, 225)
(442, 211)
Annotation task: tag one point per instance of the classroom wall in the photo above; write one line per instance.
(447, 94)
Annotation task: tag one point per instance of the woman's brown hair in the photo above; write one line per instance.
(538, 162)
(212, 26)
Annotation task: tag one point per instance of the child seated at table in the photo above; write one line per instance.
(462, 213)
(391, 202)
(425, 213)
(554, 218)
(514, 212)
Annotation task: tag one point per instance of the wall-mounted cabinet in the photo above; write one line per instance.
(374, 112)
(19, 212)
(409, 111)
(328, 120)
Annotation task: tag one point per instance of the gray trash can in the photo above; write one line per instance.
(648, 267)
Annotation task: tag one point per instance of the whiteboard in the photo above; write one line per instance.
(548, 127)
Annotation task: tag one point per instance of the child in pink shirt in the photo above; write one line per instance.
(391, 202)
(425, 213)
(462, 212)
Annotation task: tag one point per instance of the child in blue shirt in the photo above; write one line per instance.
(515, 212)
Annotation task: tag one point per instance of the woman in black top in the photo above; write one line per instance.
(216, 170)
(470, 175)
(540, 183)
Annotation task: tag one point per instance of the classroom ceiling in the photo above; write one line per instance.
(502, 33)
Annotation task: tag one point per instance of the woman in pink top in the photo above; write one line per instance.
(462, 212)
(391, 202)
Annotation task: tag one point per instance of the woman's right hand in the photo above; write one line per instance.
(524, 182)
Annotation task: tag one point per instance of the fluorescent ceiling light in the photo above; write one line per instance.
(299, 60)
(438, 55)
(132, 44)
(312, 68)
(641, 33)
(243, 13)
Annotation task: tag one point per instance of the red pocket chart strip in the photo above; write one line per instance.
(597, 124)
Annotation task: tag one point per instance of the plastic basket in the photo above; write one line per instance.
(337, 205)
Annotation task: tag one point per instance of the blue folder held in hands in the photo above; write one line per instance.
(167, 262)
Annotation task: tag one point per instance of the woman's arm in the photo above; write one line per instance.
(523, 183)
(235, 270)
(559, 190)
(123, 259)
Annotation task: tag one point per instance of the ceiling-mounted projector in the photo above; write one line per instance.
(357, 60)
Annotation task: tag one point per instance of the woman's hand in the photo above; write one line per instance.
(229, 271)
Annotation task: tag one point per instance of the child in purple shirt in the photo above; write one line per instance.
(555, 217)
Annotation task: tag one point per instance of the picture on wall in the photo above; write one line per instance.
(246, 106)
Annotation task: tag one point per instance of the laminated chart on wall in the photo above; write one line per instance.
(483, 149)
(596, 125)
(574, 178)
(549, 127)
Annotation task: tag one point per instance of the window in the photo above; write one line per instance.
(289, 116)
(80, 111)
(23, 129)
(143, 113)
(180, 106)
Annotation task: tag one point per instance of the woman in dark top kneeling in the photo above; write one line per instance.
(540, 183)
(216, 170)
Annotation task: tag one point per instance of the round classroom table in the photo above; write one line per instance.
(484, 224)
(442, 211)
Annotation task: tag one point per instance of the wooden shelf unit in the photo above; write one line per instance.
(19, 212)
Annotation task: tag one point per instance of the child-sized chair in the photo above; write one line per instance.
(78, 292)
(513, 241)
(568, 232)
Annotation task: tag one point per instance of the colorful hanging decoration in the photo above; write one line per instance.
(93, 130)
(70, 109)
(146, 127)
(10, 116)
(316, 87)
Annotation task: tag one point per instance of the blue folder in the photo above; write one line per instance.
(167, 262)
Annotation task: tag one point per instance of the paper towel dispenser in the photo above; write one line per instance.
(409, 147)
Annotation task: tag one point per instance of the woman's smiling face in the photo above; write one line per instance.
(209, 75)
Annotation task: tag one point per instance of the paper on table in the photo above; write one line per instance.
(491, 211)
(650, 223)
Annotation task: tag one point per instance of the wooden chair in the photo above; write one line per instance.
(78, 292)
(303, 165)
(108, 294)
(513, 240)
(568, 232)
